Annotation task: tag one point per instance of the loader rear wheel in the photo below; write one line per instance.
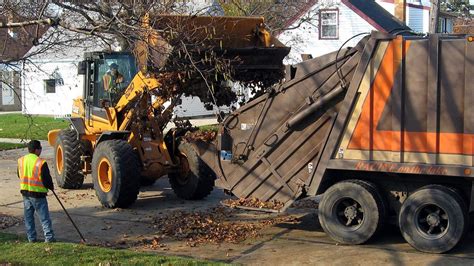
(352, 211)
(194, 180)
(433, 219)
(67, 157)
(115, 173)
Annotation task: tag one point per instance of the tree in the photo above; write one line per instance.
(279, 15)
(456, 6)
(190, 66)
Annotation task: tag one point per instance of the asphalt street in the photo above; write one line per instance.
(295, 243)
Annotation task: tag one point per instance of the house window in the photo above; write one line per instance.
(55, 80)
(50, 85)
(329, 24)
(7, 85)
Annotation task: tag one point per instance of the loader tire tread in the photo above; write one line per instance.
(71, 177)
(200, 179)
(126, 174)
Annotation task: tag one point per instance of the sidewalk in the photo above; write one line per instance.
(44, 143)
(8, 140)
(10, 112)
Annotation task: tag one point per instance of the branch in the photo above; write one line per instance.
(76, 10)
(48, 21)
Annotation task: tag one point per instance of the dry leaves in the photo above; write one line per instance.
(204, 135)
(48, 250)
(7, 221)
(254, 203)
(213, 226)
(154, 243)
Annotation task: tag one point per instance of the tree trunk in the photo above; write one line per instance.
(434, 16)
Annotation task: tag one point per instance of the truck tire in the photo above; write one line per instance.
(67, 160)
(195, 180)
(115, 174)
(352, 211)
(433, 219)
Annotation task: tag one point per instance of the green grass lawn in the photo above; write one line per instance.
(214, 127)
(15, 250)
(10, 146)
(19, 126)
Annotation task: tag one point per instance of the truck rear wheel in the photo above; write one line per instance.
(352, 211)
(433, 219)
(67, 157)
(115, 173)
(194, 180)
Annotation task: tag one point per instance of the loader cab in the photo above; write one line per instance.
(106, 76)
(97, 94)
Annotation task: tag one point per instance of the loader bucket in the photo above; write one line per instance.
(243, 40)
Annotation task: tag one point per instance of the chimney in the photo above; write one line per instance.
(400, 9)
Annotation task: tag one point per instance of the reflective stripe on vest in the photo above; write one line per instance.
(108, 84)
(29, 169)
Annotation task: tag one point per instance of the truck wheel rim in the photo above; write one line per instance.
(105, 175)
(431, 221)
(59, 159)
(349, 213)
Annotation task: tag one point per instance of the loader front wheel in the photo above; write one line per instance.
(67, 157)
(352, 211)
(194, 180)
(115, 173)
(434, 219)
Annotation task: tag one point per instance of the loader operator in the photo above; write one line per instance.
(112, 80)
(35, 180)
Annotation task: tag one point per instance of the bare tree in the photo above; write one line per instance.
(187, 60)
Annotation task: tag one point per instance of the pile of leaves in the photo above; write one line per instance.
(254, 203)
(7, 221)
(204, 135)
(213, 226)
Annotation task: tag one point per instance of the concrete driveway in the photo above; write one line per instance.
(286, 243)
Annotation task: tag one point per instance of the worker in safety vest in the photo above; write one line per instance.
(35, 180)
(112, 78)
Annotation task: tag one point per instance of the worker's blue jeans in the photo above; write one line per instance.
(40, 205)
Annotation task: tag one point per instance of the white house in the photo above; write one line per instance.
(332, 22)
(50, 81)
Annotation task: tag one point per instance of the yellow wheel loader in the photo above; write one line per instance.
(116, 132)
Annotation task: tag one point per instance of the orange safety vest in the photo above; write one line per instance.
(108, 84)
(29, 170)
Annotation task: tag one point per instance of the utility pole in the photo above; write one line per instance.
(434, 15)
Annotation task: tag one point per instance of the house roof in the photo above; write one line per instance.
(305, 8)
(376, 15)
(15, 43)
(369, 10)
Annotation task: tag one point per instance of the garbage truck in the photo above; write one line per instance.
(384, 131)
